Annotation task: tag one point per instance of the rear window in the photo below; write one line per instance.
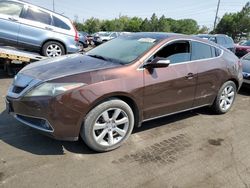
(201, 51)
(59, 23)
(38, 15)
(221, 40)
(11, 8)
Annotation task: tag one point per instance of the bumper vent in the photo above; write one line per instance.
(37, 123)
(17, 89)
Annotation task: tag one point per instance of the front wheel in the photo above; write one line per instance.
(225, 98)
(108, 125)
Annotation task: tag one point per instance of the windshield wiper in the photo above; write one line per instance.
(107, 59)
(98, 57)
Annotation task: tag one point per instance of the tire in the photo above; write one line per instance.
(53, 49)
(225, 98)
(102, 130)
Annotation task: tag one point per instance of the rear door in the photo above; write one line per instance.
(35, 27)
(9, 21)
(210, 72)
(171, 89)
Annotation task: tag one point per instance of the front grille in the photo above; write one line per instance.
(37, 123)
(17, 89)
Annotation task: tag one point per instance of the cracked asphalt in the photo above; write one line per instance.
(188, 150)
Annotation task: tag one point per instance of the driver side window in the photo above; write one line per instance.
(176, 52)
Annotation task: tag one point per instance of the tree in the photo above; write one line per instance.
(163, 24)
(93, 25)
(145, 26)
(154, 23)
(236, 25)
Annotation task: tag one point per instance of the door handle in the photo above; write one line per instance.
(12, 19)
(49, 28)
(190, 76)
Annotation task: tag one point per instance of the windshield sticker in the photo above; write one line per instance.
(149, 40)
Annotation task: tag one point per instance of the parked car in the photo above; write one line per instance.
(102, 37)
(243, 48)
(103, 94)
(220, 39)
(34, 28)
(83, 40)
(245, 60)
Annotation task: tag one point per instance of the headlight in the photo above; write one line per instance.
(52, 89)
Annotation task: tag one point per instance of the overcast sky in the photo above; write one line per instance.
(202, 11)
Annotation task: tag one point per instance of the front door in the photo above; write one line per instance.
(171, 89)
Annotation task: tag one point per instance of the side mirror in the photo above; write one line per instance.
(157, 63)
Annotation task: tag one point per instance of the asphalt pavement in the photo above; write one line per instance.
(188, 150)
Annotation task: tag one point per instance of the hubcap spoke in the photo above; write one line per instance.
(120, 131)
(121, 121)
(99, 126)
(110, 138)
(231, 94)
(102, 135)
(116, 114)
(105, 116)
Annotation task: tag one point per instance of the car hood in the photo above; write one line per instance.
(245, 66)
(64, 66)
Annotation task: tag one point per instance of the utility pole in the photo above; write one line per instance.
(216, 16)
(54, 5)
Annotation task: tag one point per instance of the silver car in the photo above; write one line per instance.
(36, 29)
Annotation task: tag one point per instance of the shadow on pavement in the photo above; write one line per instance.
(19, 136)
(245, 90)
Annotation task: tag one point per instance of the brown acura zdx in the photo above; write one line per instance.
(103, 94)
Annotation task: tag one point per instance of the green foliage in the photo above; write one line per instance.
(236, 25)
(136, 24)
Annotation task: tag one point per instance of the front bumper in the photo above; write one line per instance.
(47, 115)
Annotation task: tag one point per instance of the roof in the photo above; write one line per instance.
(154, 35)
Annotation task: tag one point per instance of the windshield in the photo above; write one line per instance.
(123, 50)
(246, 43)
(104, 34)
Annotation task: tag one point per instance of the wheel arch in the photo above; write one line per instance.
(127, 99)
(236, 82)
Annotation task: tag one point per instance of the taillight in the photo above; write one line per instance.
(76, 33)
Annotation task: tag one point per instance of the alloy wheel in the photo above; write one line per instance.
(54, 50)
(227, 98)
(111, 127)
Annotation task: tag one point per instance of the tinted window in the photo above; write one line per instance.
(201, 51)
(221, 40)
(10, 8)
(229, 40)
(176, 52)
(213, 52)
(59, 23)
(38, 15)
(213, 39)
(114, 35)
(217, 52)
